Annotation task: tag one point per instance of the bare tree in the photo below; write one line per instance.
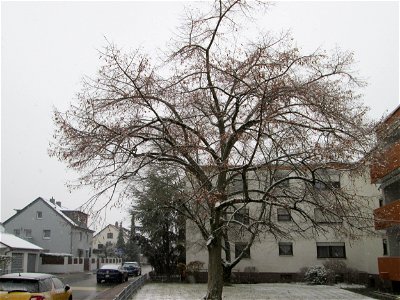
(238, 119)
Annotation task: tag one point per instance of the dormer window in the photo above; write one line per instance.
(39, 215)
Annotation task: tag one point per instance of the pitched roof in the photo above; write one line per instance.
(125, 231)
(14, 242)
(52, 206)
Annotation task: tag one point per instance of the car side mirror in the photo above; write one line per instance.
(67, 288)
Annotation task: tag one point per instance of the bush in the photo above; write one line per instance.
(316, 275)
(339, 272)
(192, 270)
(194, 266)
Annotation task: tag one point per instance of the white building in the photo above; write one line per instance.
(24, 256)
(105, 240)
(283, 258)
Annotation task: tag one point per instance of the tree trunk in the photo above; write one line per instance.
(227, 275)
(215, 272)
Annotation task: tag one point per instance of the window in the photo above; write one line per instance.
(28, 233)
(380, 202)
(109, 235)
(236, 186)
(80, 236)
(385, 247)
(331, 250)
(239, 247)
(47, 234)
(39, 215)
(284, 214)
(58, 285)
(242, 216)
(327, 185)
(285, 248)
(283, 183)
(321, 216)
(17, 232)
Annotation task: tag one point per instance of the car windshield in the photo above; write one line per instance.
(112, 267)
(133, 264)
(16, 284)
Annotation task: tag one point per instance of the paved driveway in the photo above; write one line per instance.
(262, 291)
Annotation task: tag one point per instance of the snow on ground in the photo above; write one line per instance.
(261, 291)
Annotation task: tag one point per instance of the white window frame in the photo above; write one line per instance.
(39, 213)
(28, 233)
(46, 237)
(280, 244)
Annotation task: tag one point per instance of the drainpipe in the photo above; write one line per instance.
(71, 242)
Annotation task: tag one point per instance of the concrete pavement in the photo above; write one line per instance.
(262, 291)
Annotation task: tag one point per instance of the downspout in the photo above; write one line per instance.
(71, 242)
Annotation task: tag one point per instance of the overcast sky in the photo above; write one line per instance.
(47, 47)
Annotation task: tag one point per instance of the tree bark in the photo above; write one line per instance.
(227, 271)
(215, 271)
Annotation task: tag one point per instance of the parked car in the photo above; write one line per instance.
(133, 268)
(33, 286)
(112, 273)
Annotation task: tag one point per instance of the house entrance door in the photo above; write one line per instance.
(31, 262)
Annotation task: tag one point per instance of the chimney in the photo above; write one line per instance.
(52, 200)
(116, 224)
(58, 203)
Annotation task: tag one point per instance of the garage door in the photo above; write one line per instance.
(17, 262)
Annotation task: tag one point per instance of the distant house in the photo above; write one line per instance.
(17, 255)
(56, 230)
(105, 241)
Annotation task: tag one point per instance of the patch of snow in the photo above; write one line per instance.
(210, 240)
(12, 241)
(57, 254)
(217, 204)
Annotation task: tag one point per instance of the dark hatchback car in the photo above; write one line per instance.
(37, 286)
(133, 268)
(112, 273)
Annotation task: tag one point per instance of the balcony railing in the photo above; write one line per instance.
(389, 267)
(387, 216)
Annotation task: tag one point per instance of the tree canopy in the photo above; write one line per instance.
(162, 239)
(238, 119)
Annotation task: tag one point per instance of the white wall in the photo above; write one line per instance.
(361, 254)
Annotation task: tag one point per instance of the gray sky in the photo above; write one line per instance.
(47, 47)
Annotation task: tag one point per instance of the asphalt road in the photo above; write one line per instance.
(85, 287)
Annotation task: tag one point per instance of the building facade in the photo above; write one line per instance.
(386, 171)
(105, 241)
(17, 255)
(279, 258)
(46, 224)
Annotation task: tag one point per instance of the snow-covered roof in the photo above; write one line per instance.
(59, 209)
(14, 242)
